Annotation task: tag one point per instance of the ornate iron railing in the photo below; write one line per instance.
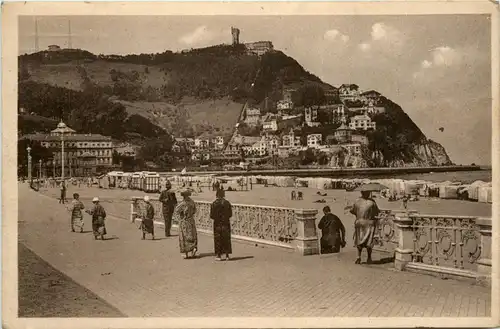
(275, 224)
(446, 241)
(386, 234)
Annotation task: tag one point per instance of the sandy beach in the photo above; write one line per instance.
(117, 201)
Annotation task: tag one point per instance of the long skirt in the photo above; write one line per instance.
(364, 232)
(98, 226)
(330, 243)
(188, 237)
(148, 226)
(222, 239)
(77, 223)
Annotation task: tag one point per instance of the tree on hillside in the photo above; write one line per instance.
(311, 95)
(158, 150)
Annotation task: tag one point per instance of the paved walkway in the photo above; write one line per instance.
(149, 278)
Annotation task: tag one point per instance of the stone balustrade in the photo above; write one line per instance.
(278, 226)
(456, 246)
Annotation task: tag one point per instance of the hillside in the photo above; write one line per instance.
(183, 85)
(186, 94)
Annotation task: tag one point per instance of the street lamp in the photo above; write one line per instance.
(62, 129)
(29, 163)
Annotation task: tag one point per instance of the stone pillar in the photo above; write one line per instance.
(484, 261)
(306, 241)
(404, 250)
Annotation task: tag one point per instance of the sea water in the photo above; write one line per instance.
(457, 176)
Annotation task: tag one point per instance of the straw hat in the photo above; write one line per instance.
(146, 198)
(95, 199)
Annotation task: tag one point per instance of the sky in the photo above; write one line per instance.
(436, 67)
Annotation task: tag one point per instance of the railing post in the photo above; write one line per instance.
(306, 241)
(404, 250)
(484, 261)
(133, 210)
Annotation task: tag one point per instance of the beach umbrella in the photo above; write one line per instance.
(370, 187)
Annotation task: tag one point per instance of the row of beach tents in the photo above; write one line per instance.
(152, 182)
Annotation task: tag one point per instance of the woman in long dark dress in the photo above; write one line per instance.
(332, 232)
(221, 212)
(147, 224)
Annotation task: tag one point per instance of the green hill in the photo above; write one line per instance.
(185, 94)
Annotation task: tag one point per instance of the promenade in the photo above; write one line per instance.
(150, 278)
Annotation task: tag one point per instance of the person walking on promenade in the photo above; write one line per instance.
(75, 209)
(98, 219)
(221, 212)
(332, 232)
(63, 193)
(188, 237)
(366, 210)
(169, 201)
(147, 224)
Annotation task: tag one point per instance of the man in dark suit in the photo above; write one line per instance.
(169, 201)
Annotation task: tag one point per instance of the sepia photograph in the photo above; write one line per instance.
(250, 161)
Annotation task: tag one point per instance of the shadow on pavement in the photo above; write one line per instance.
(240, 258)
(113, 237)
(385, 260)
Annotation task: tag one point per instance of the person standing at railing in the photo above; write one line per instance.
(188, 237)
(169, 201)
(366, 211)
(332, 232)
(221, 212)
(147, 223)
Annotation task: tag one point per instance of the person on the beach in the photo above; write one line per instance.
(332, 232)
(366, 210)
(75, 209)
(62, 199)
(188, 237)
(169, 201)
(147, 224)
(221, 212)
(98, 219)
(405, 201)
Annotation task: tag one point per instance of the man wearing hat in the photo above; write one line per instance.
(147, 223)
(98, 217)
(169, 201)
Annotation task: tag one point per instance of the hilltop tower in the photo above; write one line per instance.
(236, 35)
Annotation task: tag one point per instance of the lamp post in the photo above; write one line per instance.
(29, 163)
(54, 166)
(39, 173)
(62, 129)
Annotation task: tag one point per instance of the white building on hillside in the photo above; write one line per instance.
(314, 140)
(284, 105)
(362, 122)
(270, 124)
(252, 117)
(311, 117)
